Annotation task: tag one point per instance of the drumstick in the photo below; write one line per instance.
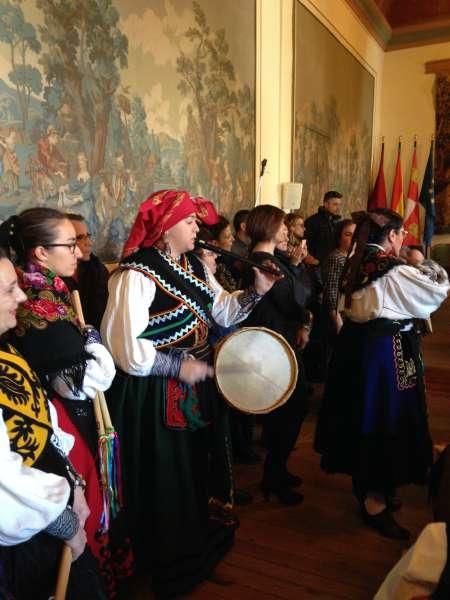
(63, 573)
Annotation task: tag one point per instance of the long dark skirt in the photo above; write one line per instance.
(167, 484)
(30, 571)
(373, 421)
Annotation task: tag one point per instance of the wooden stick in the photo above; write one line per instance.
(76, 303)
(101, 422)
(63, 573)
(104, 410)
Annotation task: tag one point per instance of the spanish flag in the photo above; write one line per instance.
(397, 188)
(412, 206)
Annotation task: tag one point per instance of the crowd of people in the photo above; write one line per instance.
(350, 301)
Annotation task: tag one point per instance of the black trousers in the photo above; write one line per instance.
(281, 429)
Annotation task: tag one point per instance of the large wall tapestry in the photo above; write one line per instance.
(104, 101)
(333, 112)
(442, 158)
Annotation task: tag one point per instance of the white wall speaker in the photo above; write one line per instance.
(291, 196)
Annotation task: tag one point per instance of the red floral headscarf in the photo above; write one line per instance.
(161, 211)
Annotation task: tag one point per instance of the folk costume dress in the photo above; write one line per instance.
(72, 365)
(159, 310)
(373, 422)
(35, 491)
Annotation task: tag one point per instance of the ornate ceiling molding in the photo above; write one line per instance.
(428, 32)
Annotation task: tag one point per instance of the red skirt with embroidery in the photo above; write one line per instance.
(113, 548)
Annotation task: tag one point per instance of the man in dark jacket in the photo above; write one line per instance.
(91, 277)
(320, 228)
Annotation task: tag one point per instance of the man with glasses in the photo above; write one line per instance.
(91, 276)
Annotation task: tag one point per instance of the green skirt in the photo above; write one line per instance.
(168, 477)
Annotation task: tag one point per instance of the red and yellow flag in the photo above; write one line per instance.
(412, 206)
(397, 187)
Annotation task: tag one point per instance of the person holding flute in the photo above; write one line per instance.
(162, 302)
(70, 361)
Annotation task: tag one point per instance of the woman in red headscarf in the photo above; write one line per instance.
(161, 304)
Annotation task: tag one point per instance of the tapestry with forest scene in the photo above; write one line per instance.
(333, 114)
(103, 102)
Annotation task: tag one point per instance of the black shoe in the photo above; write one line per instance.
(393, 503)
(242, 498)
(284, 494)
(220, 579)
(385, 524)
(247, 458)
(292, 480)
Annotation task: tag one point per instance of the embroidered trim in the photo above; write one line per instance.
(26, 413)
(167, 364)
(163, 317)
(65, 526)
(168, 288)
(181, 406)
(405, 370)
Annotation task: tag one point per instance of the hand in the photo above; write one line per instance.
(310, 260)
(192, 371)
(263, 280)
(302, 338)
(298, 253)
(336, 317)
(77, 544)
(80, 506)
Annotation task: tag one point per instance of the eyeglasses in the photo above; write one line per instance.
(70, 246)
(84, 236)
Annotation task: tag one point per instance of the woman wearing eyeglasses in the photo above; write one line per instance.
(70, 361)
(373, 422)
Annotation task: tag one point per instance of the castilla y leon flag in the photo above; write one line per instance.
(397, 187)
(377, 198)
(412, 206)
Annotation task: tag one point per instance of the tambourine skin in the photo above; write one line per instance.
(255, 370)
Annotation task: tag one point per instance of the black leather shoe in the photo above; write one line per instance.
(393, 503)
(292, 480)
(242, 498)
(284, 495)
(385, 524)
(248, 458)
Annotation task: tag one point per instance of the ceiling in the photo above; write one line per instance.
(400, 13)
(404, 23)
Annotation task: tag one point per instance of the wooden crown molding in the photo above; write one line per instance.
(374, 20)
(420, 35)
(417, 34)
(438, 66)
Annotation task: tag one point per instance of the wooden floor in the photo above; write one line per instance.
(320, 550)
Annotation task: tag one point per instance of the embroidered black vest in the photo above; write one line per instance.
(180, 313)
(26, 413)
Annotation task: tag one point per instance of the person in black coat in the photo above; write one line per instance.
(320, 227)
(282, 310)
(91, 277)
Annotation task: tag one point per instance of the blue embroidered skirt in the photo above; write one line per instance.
(373, 421)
